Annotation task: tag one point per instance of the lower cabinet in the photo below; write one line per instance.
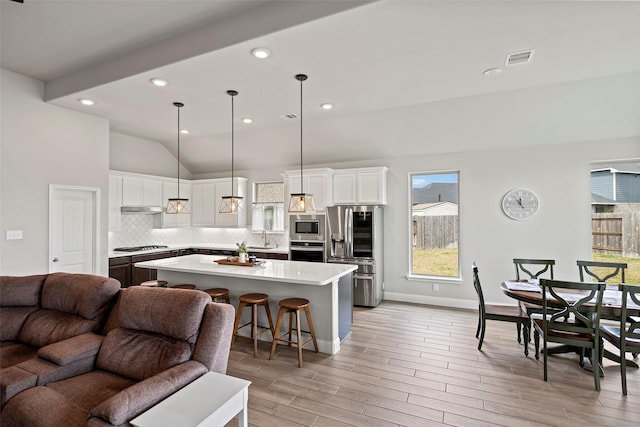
(120, 269)
(139, 275)
(270, 255)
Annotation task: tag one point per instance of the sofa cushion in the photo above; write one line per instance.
(139, 355)
(176, 313)
(19, 296)
(14, 352)
(21, 291)
(72, 304)
(84, 295)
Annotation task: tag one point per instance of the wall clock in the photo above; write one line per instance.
(520, 204)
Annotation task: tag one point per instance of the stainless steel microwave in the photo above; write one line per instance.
(306, 227)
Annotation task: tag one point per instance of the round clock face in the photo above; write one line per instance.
(520, 204)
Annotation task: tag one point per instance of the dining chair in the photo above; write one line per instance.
(626, 336)
(570, 316)
(602, 271)
(504, 313)
(532, 268)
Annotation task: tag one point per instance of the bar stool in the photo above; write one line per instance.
(218, 294)
(183, 286)
(155, 283)
(293, 306)
(254, 300)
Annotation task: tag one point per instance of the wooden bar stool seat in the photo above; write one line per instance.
(219, 294)
(254, 300)
(183, 286)
(294, 306)
(155, 283)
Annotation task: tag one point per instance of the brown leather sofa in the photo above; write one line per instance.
(157, 341)
(39, 310)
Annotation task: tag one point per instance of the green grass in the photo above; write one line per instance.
(435, 262)
(632, 274)
(444, 262)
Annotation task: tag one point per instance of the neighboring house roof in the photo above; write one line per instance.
(597, 199)
(435, 192)
(435, 209)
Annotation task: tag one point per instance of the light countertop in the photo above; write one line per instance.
(304, 273)
(214, 246)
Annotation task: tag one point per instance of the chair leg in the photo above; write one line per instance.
(479, 325)
(241, 306)
(482, 329)
(525, 329)
(518, 327)
(312, 330)
(254, 328)
(536, 338)
(277, 332)
(299, 338)
(595, 365)
(545, 355)
(271, 327)
(623, 373)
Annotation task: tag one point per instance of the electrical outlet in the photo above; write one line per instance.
(14, 234)
(436, 287)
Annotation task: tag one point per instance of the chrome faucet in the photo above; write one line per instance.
(264, 238)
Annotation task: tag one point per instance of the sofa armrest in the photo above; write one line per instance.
(13, 380)
(134, 400)
(72, 349)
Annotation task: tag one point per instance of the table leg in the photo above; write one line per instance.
(614, 357)
(242, 415)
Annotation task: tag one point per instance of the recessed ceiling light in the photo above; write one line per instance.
(492, 72)
(247, 120)
(261, 53)
(326, 106)
(159, 82)
(185, 131)
(85, 101)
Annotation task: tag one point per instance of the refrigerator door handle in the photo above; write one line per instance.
(348, 220)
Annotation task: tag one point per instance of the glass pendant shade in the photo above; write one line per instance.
(301, 202)
(231, 204)
(176, 205)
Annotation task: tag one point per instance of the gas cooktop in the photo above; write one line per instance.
(140, 248)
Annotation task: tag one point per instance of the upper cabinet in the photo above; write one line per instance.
(315, 181)
(141, 191)
(206, 198)
(361, 186)
(170, 190)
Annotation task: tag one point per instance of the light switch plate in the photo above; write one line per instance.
(14, 234)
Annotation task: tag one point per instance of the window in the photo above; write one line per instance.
(268, 206)
(434, 230)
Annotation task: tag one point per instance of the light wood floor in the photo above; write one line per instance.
(414, 365)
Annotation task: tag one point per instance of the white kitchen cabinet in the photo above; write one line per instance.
(141, 191)
(315, 181)
(115, 202)
(361, 186)
(170, 190)
(206, 198)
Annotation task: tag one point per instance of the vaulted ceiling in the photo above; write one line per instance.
(405, 77)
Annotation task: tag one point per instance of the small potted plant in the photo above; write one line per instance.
(242, 252)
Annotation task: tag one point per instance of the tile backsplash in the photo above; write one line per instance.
(138, 230)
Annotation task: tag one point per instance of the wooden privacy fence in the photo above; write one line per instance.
(435, 232)
(616, 233)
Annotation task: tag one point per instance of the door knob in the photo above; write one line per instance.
(56, 260)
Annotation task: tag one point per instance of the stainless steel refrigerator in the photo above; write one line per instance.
(354, 235)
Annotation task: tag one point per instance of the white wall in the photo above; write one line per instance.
(44, 144)
(132, 154)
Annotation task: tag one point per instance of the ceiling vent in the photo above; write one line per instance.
(290, 116)
(516, 58)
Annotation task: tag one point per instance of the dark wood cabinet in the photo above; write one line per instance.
(270, 255)
(139, 275)
(120, 269)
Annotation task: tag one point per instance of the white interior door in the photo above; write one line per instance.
(73, 225)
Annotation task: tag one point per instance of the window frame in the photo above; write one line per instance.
(431, 278)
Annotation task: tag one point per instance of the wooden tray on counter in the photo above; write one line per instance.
(232, 262)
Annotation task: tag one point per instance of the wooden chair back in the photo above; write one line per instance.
(478, 288)
(569, 313)
(602, 271)
(534, 268)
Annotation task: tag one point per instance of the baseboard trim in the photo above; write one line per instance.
(430, 300)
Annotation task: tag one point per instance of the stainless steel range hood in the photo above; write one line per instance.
(140, 210)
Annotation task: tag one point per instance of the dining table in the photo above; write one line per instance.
(529, 291)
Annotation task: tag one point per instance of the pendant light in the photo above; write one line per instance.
(177, 205)
(301, 202)
(231, 204)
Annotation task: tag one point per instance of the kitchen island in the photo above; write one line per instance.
(326, 286)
